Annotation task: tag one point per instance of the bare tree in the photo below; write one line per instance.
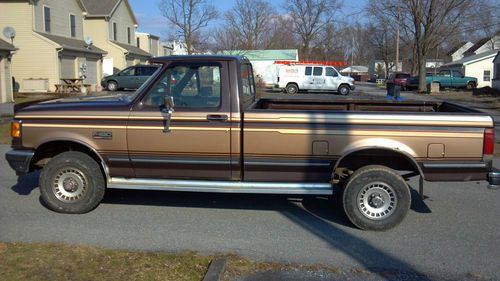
(250, 20)
(190, 17)
(382, 41)
(281, 35)
(310, 17)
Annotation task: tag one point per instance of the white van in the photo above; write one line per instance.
(318, 78)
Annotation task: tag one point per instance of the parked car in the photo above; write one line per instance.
(318, 78)
(399, 78)
(447, 78)
(208, 132)
(130, 78)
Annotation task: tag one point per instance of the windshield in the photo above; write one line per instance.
(144, 85)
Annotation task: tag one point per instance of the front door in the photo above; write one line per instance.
(196, 143)
(331, 79)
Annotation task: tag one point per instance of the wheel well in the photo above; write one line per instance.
(376, 156)
(292, 83)
(345, 84)
(48, 150)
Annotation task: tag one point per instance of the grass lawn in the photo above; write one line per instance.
(19, 261)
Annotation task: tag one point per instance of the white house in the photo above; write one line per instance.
(495, 83)
(484, 45)
(479, 66)
(458, 51)
(173, 48)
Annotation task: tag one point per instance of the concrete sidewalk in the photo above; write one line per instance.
(6, 109)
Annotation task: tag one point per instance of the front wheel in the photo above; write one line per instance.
(72, 182)
(376, 198)
(344, 90)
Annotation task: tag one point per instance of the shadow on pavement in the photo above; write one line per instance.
(26, 183)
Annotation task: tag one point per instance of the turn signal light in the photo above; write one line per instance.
(15, 129)
(489, 141)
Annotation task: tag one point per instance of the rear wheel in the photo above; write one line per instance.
(112, 86)
(344, 90)
(376, 198)
(292, 89)
(72, 182)
(471, 86)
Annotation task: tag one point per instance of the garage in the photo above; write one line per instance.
(67, 66)
(91, 71)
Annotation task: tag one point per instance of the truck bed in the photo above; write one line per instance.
(359, 105)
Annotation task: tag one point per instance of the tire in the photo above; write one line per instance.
(112, 86)
(344, 90)
(83, 177)
(470, 86)
(376, 198)
(292, 89)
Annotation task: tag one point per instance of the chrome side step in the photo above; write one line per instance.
(222, 186)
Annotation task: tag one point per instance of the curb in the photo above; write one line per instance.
(215, 270)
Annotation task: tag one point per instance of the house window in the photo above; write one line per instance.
(128, 35)
(487, 75)
(72, 25)
(138, 43)
(46, 18)
(115, 36)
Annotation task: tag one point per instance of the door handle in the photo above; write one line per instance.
(217, 117)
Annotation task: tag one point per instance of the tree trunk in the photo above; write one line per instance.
(422, 81)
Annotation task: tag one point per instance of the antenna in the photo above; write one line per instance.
(88, 41)
(9, 32)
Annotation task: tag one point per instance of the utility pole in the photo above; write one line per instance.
(397, 38)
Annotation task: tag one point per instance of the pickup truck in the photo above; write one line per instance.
(446, 79)
(196, 125)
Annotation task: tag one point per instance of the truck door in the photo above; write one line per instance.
(308, 79)
(319, 78)
(196, 141)
(458, 81)
(331, 79)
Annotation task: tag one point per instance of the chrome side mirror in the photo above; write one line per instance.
(168, 102)
(168, 108)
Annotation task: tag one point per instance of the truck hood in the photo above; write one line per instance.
(75, 104)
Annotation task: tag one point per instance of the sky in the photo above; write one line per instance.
(151, 21)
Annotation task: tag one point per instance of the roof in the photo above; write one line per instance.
(457, 47)
(104, 8)
(148, 35)
(474, 58)
(196, 57)
(269, 55)
(477, 45)
(132, 49)
(355, 68)
(5, 46)
(73, 44)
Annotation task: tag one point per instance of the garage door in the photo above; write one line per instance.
(67, 67)
(91, 71)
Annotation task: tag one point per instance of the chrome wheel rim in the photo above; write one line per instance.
(377, 201)
(112, 86)
(343, 91)
(70, 185)
(292, 90)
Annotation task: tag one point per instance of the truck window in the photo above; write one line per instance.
(329, 71)
(192, 86)
(318, 71)
(308, 70)
(457, 73)
(247, 84)
(445, 73)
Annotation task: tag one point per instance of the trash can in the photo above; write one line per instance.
(397, 91)
(390, 90)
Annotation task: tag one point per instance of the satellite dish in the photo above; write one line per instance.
(9, 32)
(88, 40)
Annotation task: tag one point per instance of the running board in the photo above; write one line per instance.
(222, 186)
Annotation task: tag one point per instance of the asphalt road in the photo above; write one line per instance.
(454, 233)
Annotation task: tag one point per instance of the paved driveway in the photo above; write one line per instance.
(455, 232)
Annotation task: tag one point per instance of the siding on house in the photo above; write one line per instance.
(121, 16)
(149, 43)
(25, 69)
(59, 13)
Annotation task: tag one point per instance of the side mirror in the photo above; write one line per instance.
(168, 108)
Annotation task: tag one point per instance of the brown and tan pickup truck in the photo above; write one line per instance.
(197, 126)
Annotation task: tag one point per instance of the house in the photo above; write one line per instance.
(149, 43)
(263, 61)
(174, 48)
(112, 25)
(50, 42)
(6, 52)
(479, 66)
(458, 51)
(358, 72)
(495, 82)
(484, 45)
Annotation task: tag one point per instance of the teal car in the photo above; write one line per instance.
(131, 77)
(447, 78)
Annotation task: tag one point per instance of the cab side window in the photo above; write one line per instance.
(329, 71)
(128, 71)
(191, 86)
(318, 71)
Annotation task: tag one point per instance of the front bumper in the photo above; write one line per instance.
(352, 87)
(494, 180)
(20, 160)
